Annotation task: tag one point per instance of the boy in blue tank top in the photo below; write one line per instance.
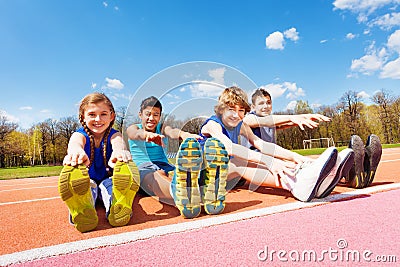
(146, 144)
(273, 165)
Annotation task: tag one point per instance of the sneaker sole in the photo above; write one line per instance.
(356, 178)
(74, 189)
(187, 197)
(374, 152)
(216, 159)
(325, 170)
(343, 169)
(125, 186)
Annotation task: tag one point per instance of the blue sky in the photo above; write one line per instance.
(53, 53)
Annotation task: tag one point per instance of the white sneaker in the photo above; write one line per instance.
(310, 175)
(344, 162)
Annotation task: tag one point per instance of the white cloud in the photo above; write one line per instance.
(296, 93)
(105, 4)
(173, 96)
(276, 90)
(391, 70)
(45, 111)
(116, 8)
(367, 64)
(350, 36)
(386, 21)
(363, 94)
(217, 75)
(375, 60)
(275, 41)
(94, 85)
(291, 89)
(208, 88)
(394, 41)
(291, 105)
(114, 83)
(323, 41)
(25, 108)
(292, 34)
(205, 90)
(368, 6)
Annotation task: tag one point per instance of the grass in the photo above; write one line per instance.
(29, 172)
(44, 171)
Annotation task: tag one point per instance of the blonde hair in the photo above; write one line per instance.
(230, 97)
(95, 98)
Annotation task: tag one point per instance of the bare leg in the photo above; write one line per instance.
(159, 183)
(257, 175)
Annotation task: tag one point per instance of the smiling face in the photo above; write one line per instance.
(98, 117)
(150, 117)
(233, 115)
(262, 106)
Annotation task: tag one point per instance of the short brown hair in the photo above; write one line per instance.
(232, 96)
(151, 101)
(259, 92)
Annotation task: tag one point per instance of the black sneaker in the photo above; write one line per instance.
(373, 153)
(356, 177)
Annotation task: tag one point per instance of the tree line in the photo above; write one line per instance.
(46, 142)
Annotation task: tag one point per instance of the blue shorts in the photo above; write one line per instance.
(150, 167)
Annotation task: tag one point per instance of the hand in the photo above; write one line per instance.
(299, 159)
(185, 135)
(76, 158)
(119, 155)
(282, 171)
(309, 120)
(155, 138)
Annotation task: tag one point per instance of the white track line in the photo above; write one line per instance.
(123, 238)
(27, 188)
(27, 201)
(389, 160)
(37, 183)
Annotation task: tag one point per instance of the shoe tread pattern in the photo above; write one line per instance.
(74, 189)
(126, 183)
(214, 190)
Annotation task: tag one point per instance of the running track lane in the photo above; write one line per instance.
(38, 218)
(350, 228)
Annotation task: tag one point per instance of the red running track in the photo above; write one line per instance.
(356, 232)
(34, 226)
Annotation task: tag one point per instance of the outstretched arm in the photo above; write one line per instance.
(119, 150)
(276, 166)
(176, 133)
(285, 121)
(270, 149)
(134, 133)
(75, 153)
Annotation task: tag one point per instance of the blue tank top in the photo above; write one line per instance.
(97, 170)
(143, 151)
(233, 134)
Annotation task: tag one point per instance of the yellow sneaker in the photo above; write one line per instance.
(126, 182)
(74, 189)
(216, 173)
(184, 185)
